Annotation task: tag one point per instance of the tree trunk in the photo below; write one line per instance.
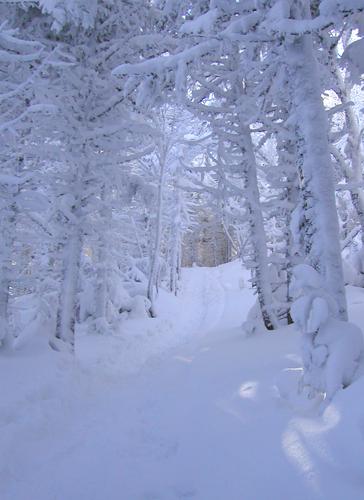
(67, 311)
(260, 272)
(317, 178)
(155, 258)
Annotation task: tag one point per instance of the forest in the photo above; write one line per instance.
(182, 250)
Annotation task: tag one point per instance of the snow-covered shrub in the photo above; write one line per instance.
(353, 267)
(351, 275)
(254, 322)
(139, 308)
(32, 318)
(120, 299)
(118, 305)
(331, 348)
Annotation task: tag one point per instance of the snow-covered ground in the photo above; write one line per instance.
(179, 407)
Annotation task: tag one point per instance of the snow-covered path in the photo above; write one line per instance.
(203, 423)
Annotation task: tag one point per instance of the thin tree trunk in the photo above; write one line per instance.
(67, 311)
(260, 272)
(154, 269)
(101, 295)
(175, 262)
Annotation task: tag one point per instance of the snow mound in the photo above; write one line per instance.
(332, 349)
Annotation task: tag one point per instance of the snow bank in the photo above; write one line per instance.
(74, 428)
(331, 348)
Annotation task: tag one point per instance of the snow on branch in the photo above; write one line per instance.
(157, 65)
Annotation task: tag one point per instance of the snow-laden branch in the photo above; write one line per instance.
(161, 63)
(35, 108)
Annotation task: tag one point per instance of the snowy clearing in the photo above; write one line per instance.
(200, 420)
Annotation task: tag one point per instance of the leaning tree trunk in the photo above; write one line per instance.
(287, 157)
(260, 271)
(261, 278)
(324, 252)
